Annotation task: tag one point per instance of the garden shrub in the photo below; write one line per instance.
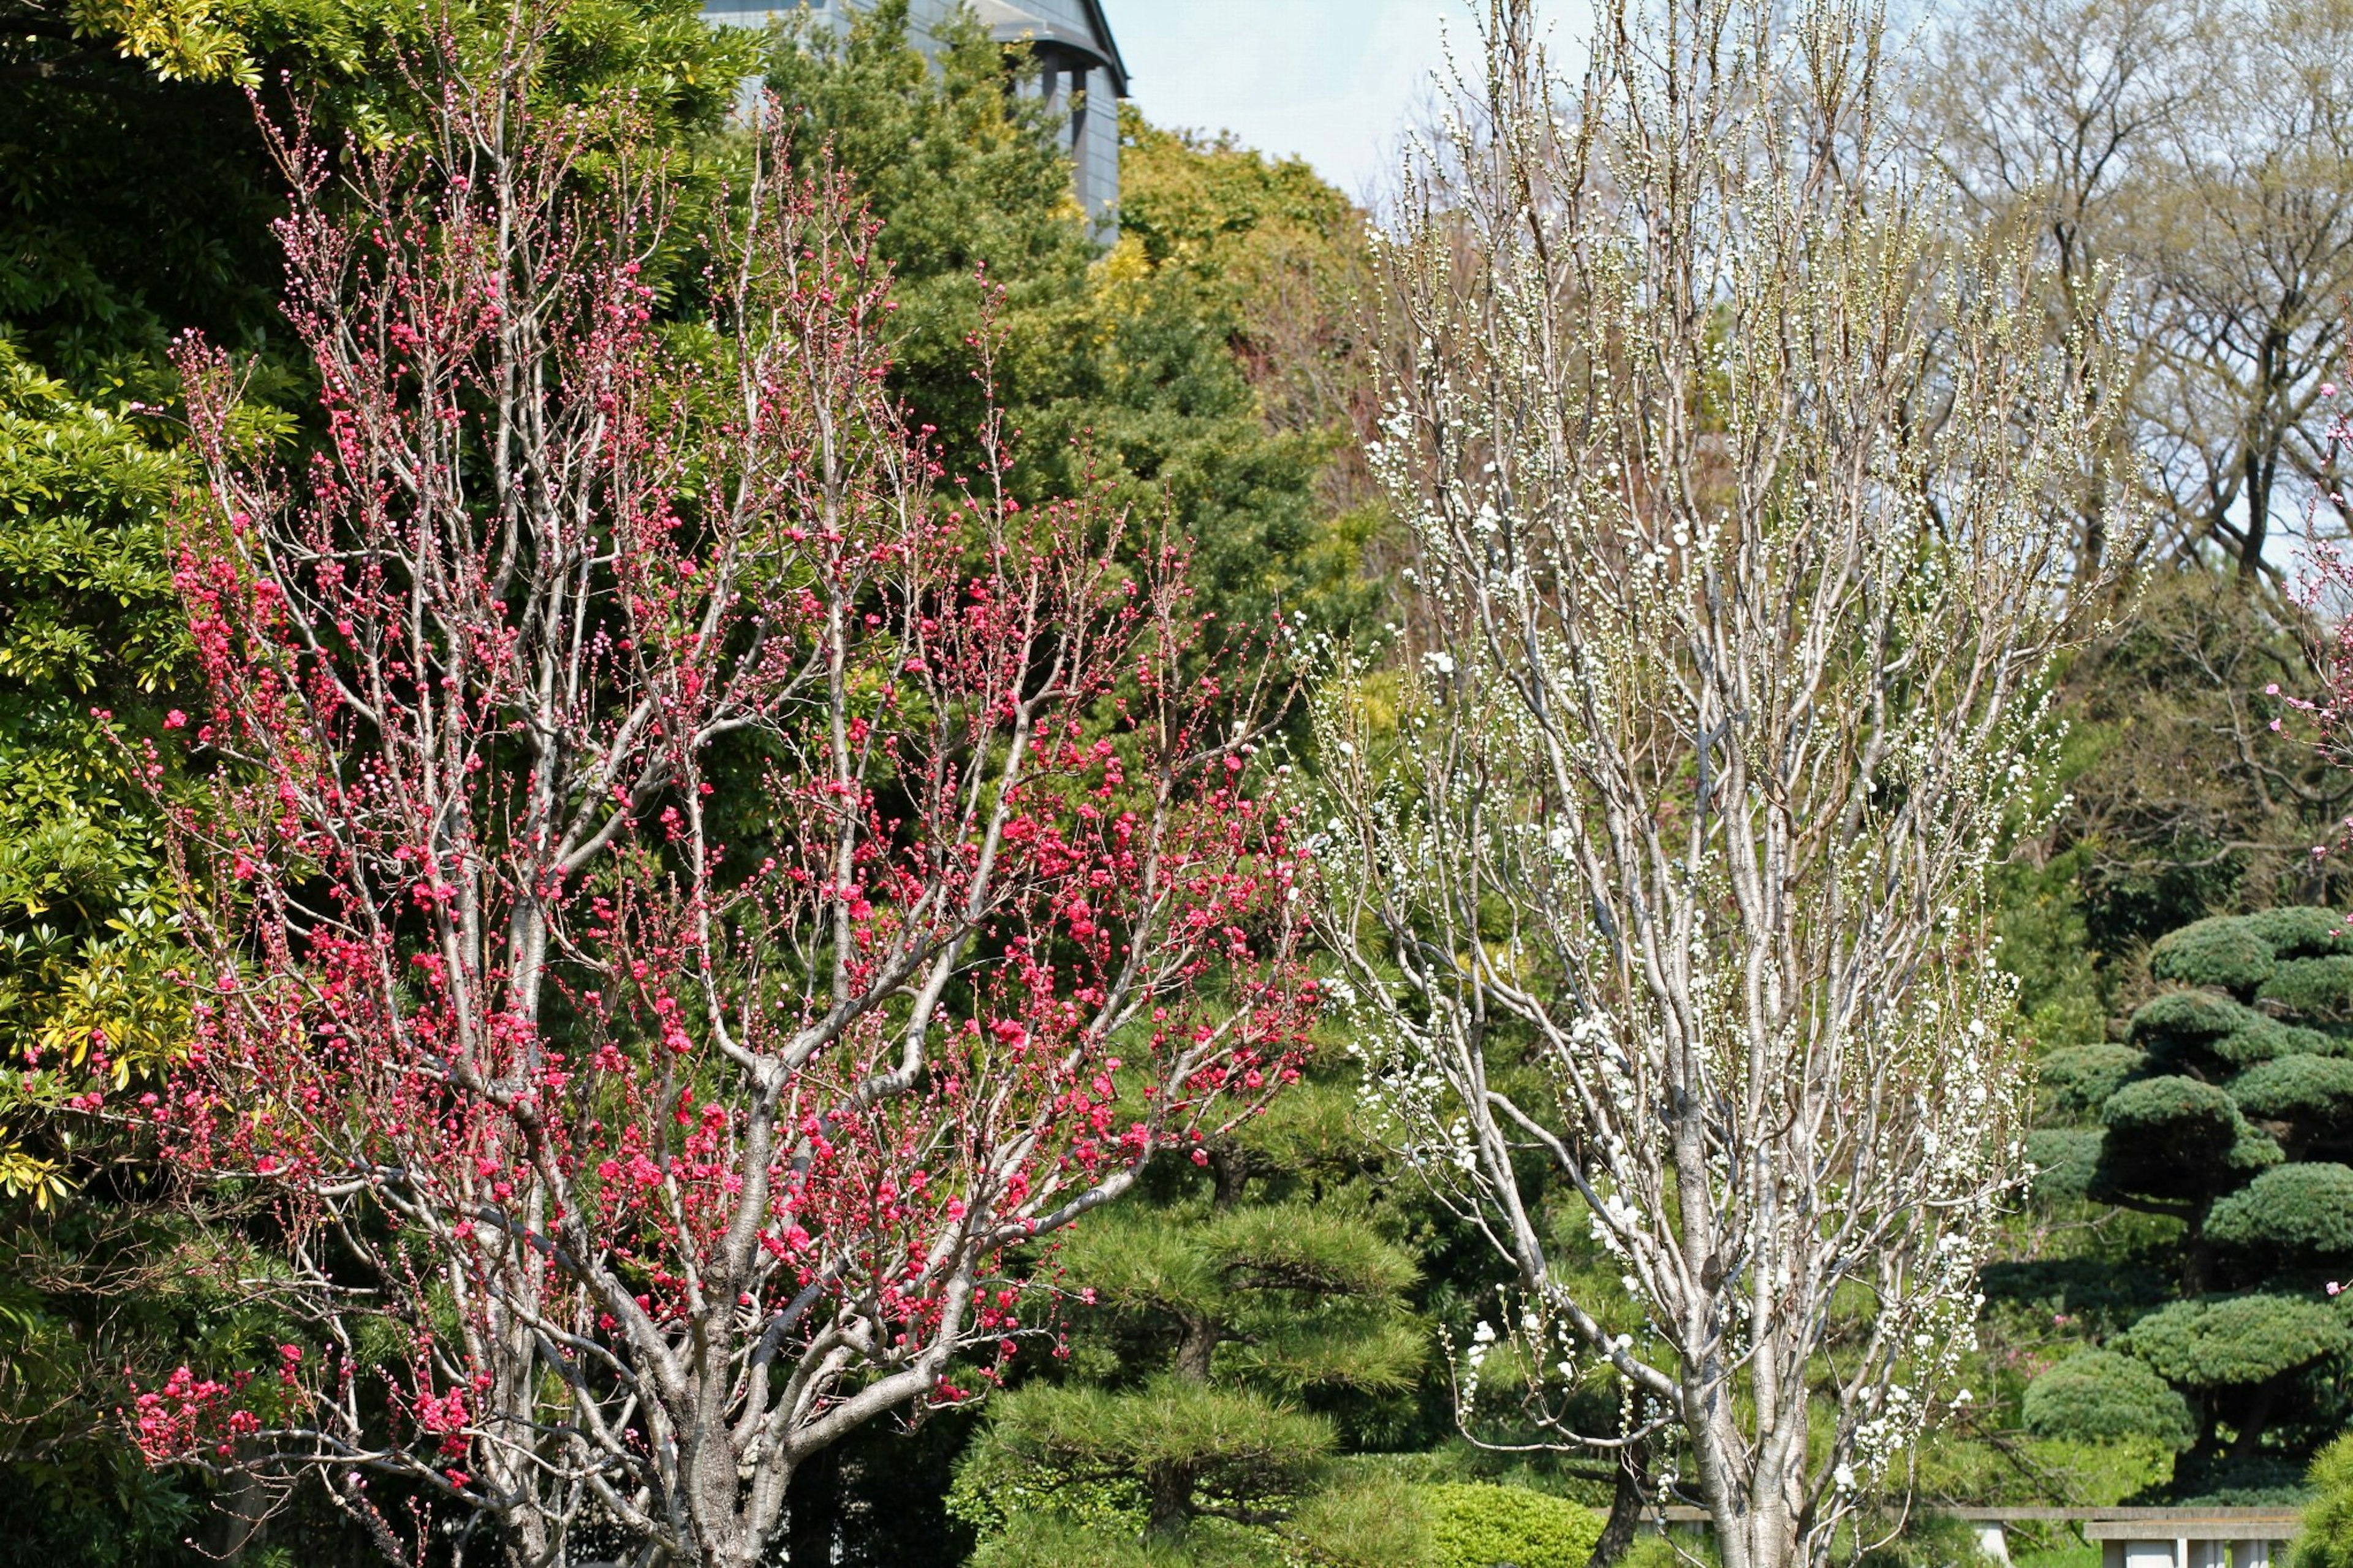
(2077, 1081)
(1472, 1525)
(2189, 1016)
(2097, 1396)
(2265, 1040)
(2238, 1480)
(2222, 952)
(2166, 1134)
(2314, 1091)
(2319, 989)
(2066, 1161)
(2300, 930)
(2215, 1343)
(2326, 1539)
(2295, 1214)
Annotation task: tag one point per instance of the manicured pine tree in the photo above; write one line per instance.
(1234, 1334)
(2228, 1108)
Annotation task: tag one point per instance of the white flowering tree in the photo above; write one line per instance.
(1659, 876)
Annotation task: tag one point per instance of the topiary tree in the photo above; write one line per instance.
(2230, 1110)
(2100, 1396)
(1248, 1322)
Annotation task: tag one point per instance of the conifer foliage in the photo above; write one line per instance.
(1248, 1325)
(622, 1168)
(2229, 1109)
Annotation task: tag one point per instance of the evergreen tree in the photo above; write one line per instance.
(1248, 1323)
(1128, 371)
(2228, 1111)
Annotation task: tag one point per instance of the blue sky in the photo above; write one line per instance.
(1332, 80)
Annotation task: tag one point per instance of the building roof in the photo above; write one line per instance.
(1009, 23)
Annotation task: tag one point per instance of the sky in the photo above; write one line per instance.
(1331, 80)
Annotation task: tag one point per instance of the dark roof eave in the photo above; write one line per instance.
(1100, 50)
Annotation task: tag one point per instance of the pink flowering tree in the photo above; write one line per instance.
(692, 892)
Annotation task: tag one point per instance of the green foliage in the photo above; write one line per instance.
(2177, 1135)
(2316, 1092)
(2317, 990)
(2301, 930)
(2182, 801)
(2066, 1162)
(1233, 1445)
(1120, 371)
(1249, 1319)
(2218, 1342)
(88, 620)
(1382, 1524)
(2326, 1540)
(136, 193)
(2300, 1213)
(2101, 1396)
(2077, 1081)
(2220, 952)
(2184, 1020)
(1476, 1526)
(2078, 1472)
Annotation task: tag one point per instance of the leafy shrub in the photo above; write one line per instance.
(2318, 989)
(2169, 1133)
(2214, 1342)
(1384, 1523)
(2300, 930)
(2101, 1396)
(2189, 1016)
(2222, 952)
(2266, 1040)
(2078, 1080)
(2066, 1161)
(2198, 1030)
(2316, 1092)
(2302, 1211)
(1477, 1526)
(2326, 1538)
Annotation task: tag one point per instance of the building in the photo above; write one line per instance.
(1080, 71)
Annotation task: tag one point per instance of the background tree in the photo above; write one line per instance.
(1732, 670)
(1129, 358)
(2183, 164)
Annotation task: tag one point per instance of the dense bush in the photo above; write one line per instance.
(2222, 952)
(2102, 1396)
(1477, 1526)
(2217, 1343)
(2326, 1539)
(2180, 1016)
(2300, 930)
(2065, 1160)
(2293, 1215)
(2177, 1134)
(2314, 1092)
(2318, 990)
(2077, 1081)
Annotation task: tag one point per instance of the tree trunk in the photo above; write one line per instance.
(2258, 1416)
(1171, 1506)
(1626, 1500)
